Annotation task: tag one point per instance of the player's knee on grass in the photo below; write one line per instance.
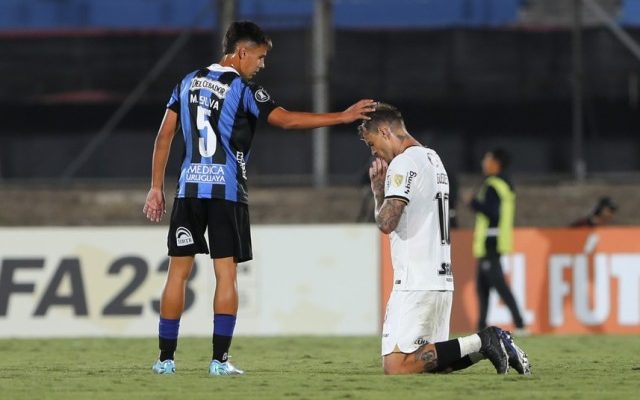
(392, 364)
(414, 363)
(393, 367)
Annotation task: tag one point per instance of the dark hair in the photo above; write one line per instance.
(243, 30)
(384, 113)
(604, 202)
(501, 156)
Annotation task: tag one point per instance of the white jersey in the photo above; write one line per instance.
(420, 244)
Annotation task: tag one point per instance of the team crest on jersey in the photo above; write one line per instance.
(261, 95)
(215, 87)
(397, 180)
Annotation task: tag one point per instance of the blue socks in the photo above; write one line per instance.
(168, 337)
(223, 326)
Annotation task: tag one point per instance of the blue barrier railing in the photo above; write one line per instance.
(143, 14)
(172, 14)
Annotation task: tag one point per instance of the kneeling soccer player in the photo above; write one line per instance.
(411, 191)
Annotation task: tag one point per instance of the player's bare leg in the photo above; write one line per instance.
(225, 299)
(171, 308)
(425, 359)
(451, 355)
(225, 308)
(172, 301)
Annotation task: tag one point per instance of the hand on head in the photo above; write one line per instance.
(359, 110)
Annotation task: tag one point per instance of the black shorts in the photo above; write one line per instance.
(226, 222)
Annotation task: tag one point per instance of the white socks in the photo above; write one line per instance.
(469, 344)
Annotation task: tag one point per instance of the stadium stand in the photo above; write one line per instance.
(542, 204)
(553, 13)
(166, 14)
(630, 14)
(488, 72)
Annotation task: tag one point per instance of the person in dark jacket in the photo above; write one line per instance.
(494, 206)
(602, 214)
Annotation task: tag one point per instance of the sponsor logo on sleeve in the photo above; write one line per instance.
(261, 95)
(242, 164)
(410, 176)
(183, 237)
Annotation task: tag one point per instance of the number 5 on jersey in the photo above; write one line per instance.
(208, 143)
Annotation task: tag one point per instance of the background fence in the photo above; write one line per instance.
(467, 75)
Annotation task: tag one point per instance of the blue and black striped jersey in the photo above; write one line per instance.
(218, 113)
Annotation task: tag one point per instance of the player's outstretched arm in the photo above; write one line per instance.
(155, 206)
(303, 120)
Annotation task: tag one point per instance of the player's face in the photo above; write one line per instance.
(252, 60)
(380, 146)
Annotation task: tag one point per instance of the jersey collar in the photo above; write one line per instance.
(219, 68)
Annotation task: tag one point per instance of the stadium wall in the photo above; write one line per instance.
(78, 282)
(305, 280)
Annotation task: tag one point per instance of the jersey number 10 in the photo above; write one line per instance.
(443, 216)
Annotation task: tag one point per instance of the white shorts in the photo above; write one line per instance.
(415, 318)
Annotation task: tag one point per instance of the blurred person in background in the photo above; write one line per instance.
(494, 205)
(602, 214)
(216, 111)
(410, 187)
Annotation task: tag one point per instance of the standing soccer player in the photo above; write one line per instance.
(411, 191)
(216, 110)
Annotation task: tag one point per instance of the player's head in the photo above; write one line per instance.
(495, 161)
(604, 211)
(244, 31)
(384, 132)
(248, 45)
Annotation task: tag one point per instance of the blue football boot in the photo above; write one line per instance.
(165, 367)
(217, 368)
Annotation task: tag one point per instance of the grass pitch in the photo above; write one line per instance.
(564, 367)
